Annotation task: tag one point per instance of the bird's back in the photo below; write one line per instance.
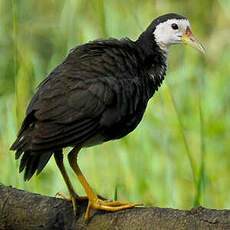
(97, 94)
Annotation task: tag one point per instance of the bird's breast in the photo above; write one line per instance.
(120, 120)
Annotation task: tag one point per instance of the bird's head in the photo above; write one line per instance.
(172, 29)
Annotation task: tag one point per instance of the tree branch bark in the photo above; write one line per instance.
(20, 210)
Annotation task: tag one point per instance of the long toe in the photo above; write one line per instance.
(63, 196)
(73, 197)
(109, 206)
(114, 205)
(122, 204)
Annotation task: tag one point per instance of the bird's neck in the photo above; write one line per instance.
(153, 58)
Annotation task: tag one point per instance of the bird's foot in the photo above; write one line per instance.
(108, 206)
(75, 198)
(63, 196)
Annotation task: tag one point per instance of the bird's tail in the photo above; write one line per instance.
(30, 160)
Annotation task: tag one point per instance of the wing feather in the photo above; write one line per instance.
(93, 90)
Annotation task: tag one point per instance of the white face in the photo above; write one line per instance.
(170, 32)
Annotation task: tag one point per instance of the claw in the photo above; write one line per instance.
(74, 198)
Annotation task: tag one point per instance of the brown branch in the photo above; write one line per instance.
(20, 210)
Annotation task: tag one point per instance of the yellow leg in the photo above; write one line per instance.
(94, 201)
(73, 195)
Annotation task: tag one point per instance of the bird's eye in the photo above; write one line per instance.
(174, 26)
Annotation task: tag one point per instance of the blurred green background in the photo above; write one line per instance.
(179, 154)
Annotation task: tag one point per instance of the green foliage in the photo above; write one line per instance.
(178, 155)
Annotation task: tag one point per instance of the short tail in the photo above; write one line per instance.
(31, 161)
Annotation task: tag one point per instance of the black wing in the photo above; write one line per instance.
(94, 90)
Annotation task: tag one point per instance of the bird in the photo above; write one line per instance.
(97, 94)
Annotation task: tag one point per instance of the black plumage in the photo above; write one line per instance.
(98, 93)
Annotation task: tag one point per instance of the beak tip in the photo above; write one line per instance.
(192, 41)
(202, 49)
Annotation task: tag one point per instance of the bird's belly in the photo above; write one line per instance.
(122, 128)
(95, 140)
(116, 131)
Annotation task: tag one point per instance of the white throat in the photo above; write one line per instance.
(164, 47)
